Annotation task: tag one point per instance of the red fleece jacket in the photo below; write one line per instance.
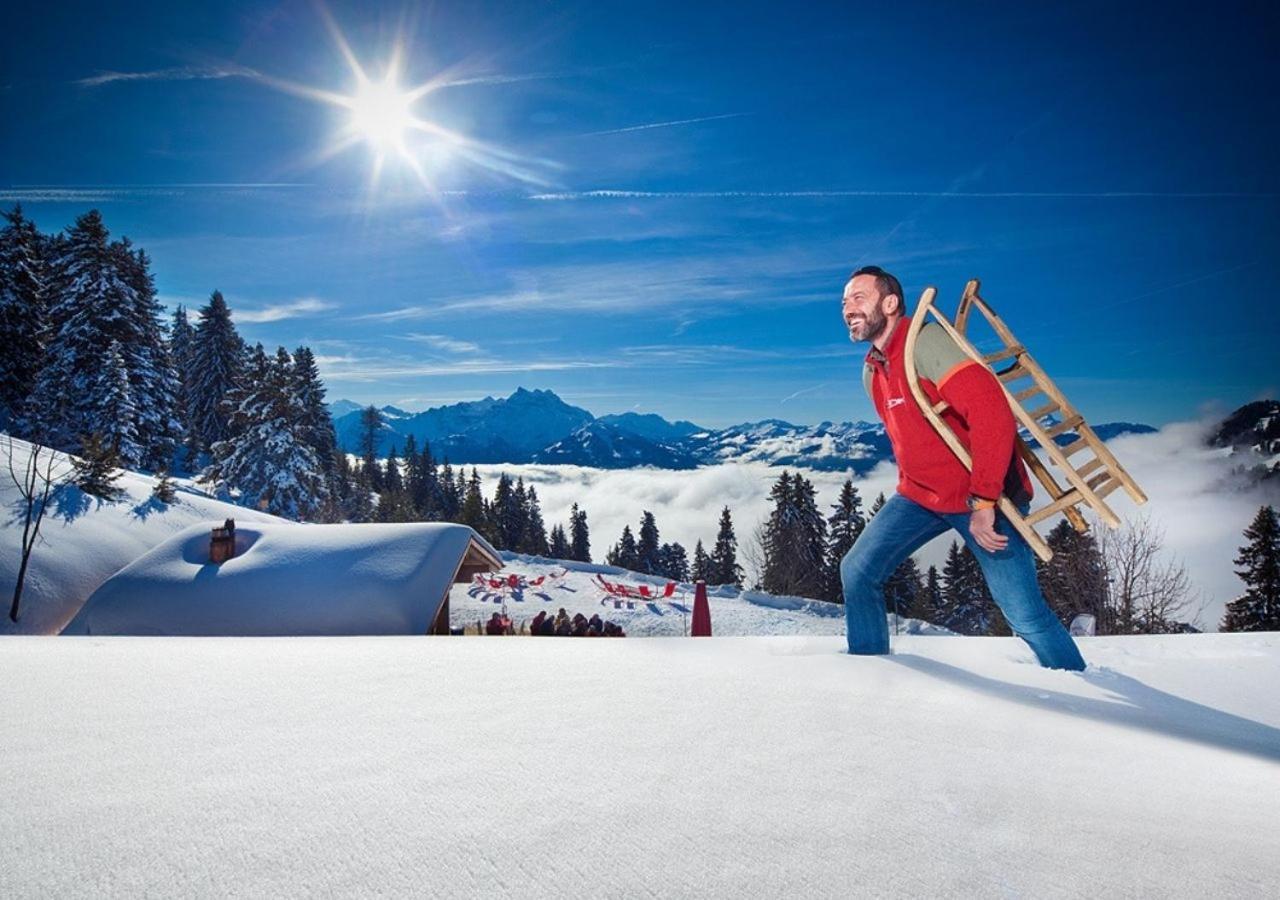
(978, 412)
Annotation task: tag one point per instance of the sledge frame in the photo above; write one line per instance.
(1088, 485)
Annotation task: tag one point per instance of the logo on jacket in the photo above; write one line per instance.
(896, 401)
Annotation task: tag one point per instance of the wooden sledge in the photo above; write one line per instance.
(1032, 396)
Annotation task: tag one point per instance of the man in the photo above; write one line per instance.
(935, 490)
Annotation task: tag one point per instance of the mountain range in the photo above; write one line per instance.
(539, 427)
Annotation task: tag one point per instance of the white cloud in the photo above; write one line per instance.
(443, 342)
(177, 73)
(292, 309)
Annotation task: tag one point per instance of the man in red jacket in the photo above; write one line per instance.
(935, 490)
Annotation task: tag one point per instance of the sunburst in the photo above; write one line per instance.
(384, 116)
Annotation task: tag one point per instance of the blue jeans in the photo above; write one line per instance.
(903, 526)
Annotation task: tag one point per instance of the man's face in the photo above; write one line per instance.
(863, 309)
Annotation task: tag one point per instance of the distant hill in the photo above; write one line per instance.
(538, 426)
(1253, 431)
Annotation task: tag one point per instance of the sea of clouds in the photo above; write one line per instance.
(1193, 497)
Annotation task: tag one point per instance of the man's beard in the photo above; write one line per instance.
(874, 327)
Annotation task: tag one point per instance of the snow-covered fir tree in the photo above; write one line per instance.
(153, 379)
(794, 546)
(268, 461)
(1258, 609)
(114, 419)
(91, 307)
(23, 299)
(181, 348)
(217, 359)
(317, 423)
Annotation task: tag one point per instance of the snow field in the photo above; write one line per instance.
(766, 767)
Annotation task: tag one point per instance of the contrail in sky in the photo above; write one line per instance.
(664, 124)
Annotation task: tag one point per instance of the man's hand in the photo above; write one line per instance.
(982, 525)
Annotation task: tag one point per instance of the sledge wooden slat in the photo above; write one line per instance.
(1088, 467)
(1106, 472)
(1003, 354)
(1070, 498)
(1072, 449)
(941, 406)
(1070, 424)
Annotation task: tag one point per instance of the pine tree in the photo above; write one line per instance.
(1074, 580)
(931, 608)
(724, 555)
(795, 540)
(647, 548)
(673, 562)
(876, 505)
(268, 460)
(153, 379)
(450, 499)
(115, 416)
(1258, 609)
(472, 511)
(845, 525)
(217, 359)
(97, 469)
(559, 543)
(624, 553)
(317, 424)
(91, 307)
(903, 592)
(967, 604)
(535, 530)
(164, 492)
(23, 312)
(701, 570)
(505, 515)
(579, 535)
(370, 426)
(182, 350)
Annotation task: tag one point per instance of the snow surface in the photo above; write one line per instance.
(772, 767)
(84, 540)
(285, 579)
(733, 611)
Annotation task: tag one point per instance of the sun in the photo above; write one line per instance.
(382, 113)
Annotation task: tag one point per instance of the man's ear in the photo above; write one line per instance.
(897, 304)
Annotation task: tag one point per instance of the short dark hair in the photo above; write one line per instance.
(885, 284)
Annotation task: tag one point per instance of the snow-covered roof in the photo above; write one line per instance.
(290, 579)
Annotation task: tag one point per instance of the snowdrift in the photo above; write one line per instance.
(729, 767)
(286, 579)
(85, 540)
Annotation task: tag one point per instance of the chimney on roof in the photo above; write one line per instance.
(222, 543)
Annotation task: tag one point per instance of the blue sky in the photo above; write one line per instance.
(1109, 174)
